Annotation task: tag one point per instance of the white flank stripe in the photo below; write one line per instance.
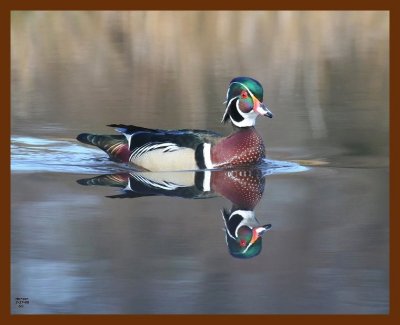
(207, 155)
(206, 181)
(128, 187)
(129, 138)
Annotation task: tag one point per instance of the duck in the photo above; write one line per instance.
(148, 149)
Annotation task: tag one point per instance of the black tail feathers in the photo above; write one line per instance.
(85, 138)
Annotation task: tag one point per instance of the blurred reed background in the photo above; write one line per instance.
(325, 73)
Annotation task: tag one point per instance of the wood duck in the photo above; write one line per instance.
(166, 150)
(244, 188)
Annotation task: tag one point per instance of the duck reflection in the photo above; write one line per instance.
(243, 188)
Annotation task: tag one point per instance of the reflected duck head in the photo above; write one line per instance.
(243, 233)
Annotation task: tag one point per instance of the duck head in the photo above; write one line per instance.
(244, 102)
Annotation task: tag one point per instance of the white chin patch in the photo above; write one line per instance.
(249, 119)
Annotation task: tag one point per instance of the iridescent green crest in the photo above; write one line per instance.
(238, 84)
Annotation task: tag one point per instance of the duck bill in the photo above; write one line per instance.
(261, 109)
(258, 232)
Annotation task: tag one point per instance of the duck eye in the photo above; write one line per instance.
(244, 94)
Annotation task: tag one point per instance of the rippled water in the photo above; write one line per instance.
(92, 236)
(30, 155)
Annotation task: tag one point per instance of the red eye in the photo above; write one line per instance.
(242, 243)
(244, 94)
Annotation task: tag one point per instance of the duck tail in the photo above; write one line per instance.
(101, 141)
(116, 146)
(88, 138)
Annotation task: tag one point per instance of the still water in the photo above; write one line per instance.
(92, 236)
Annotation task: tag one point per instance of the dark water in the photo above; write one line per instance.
(324, 186)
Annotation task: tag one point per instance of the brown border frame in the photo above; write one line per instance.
(6, 6)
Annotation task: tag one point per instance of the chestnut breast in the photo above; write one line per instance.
(242, 148)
